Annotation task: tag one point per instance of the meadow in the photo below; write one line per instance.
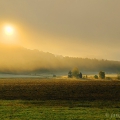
(59, 99)
(59, 110)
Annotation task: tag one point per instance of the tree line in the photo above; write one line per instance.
(75, 73)
(22, 60)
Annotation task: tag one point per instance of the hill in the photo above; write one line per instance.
(16, 59)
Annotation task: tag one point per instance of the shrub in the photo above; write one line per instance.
(54, 75)
(96, 76)
(118, 76)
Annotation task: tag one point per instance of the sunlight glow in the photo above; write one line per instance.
(8, 33)
(9, 30)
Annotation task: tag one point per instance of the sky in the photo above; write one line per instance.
(76, 28)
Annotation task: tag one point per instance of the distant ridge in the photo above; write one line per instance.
(15, 59)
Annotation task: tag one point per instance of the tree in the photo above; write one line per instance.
(102, 75)
(96, 76)
(70, 74)
(80, 75)
(75, 72)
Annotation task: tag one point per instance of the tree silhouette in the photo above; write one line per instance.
(102, 75)
(80, 75)
(70, 74)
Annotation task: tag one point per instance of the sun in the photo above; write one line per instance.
(9, 30)
(9, 33)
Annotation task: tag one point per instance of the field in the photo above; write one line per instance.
(59, 99)
(59, 89)
(59, 110)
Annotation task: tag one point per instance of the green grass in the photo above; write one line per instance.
(59, 110)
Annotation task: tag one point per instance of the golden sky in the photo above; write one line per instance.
(78, 28)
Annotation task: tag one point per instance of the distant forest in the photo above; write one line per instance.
(18, 59)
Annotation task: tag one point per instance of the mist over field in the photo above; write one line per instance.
(59, 59)
(16, 59)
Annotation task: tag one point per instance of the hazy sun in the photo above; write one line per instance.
(8, 33)
(9, 30)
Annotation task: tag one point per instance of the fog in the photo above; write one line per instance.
(16, 59)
